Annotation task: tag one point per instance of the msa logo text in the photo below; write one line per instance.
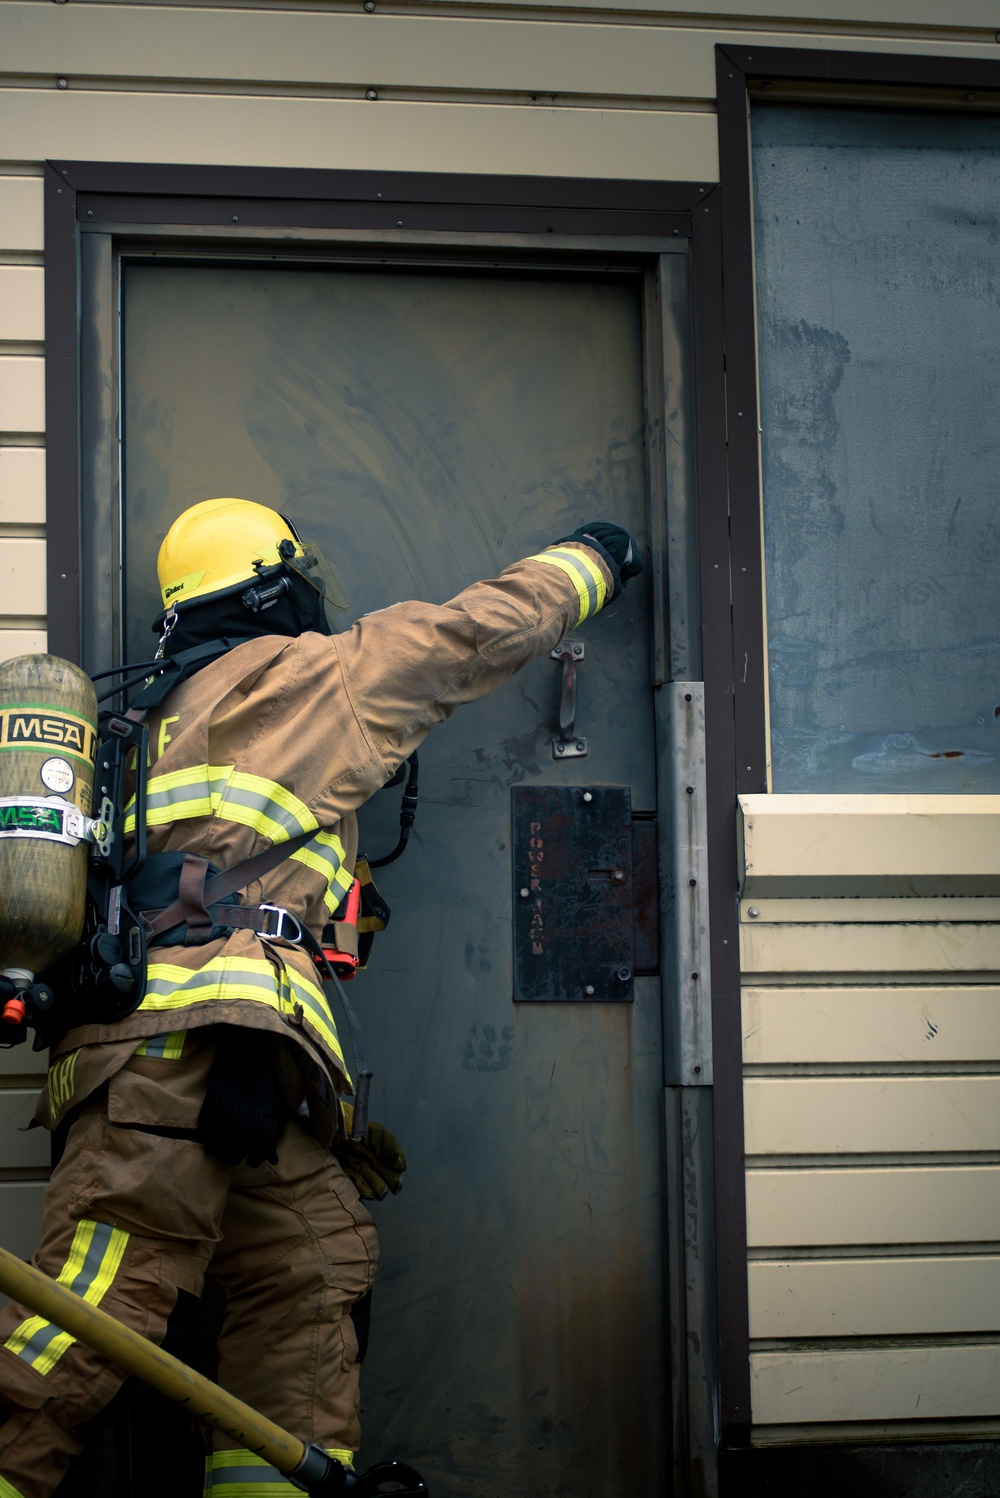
(24, 729)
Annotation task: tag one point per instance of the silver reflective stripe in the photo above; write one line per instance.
(224, 1476)
(213, 978)
(584, 573)
(256, 801)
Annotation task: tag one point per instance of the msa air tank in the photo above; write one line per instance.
(48, 742)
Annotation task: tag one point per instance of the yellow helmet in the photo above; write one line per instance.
(221, 545)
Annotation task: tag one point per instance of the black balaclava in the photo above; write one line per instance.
(294, 613)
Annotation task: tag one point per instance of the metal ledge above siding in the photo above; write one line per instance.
(808, 846)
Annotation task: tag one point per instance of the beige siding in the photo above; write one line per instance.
(22, 575)
(20, 213)
(871, 1115)
(821, 950)
(853, 845)
(875, 1297)
(870, 1049)
(418, 136)
(867, 1205)
(644, 59)
(834, 1385)
(15, 642)
(932, 1023)
(22, 314)
(22, 486)
(22, 395)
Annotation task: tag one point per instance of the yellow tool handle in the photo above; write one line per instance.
(136, 1355)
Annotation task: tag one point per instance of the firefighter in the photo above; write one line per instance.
(204, 1133)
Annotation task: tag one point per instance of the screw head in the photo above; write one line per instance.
(589, 990)
(579, 743)
(62, 83)
(588, 796)
(524, 893)
(753, 912)
(618, 875)
(369, 6)
(560, 748)
(624, 975)
(371, 93)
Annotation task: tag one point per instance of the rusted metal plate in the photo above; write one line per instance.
(573, 893)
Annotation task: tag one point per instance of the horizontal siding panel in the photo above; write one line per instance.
(22, 303)
(22, 485)
(926, 1024)
(798, 845)
(972, 13)
(21, 213)
(875, 1297)
(905, 1204)
(903, 1383)
(889, 910)
(870, 1115)
(22, 394)
(22, 576)
(22, 1060)
(795, 949)
(354, 49)
(20, 1150)
(20, 642)
(220, 131)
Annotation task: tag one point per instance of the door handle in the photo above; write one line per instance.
(569, 744)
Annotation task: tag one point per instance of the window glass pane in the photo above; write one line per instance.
(878, 280)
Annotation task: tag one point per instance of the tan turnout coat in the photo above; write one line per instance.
(284, 735)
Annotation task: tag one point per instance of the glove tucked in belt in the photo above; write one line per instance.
(374, 1162)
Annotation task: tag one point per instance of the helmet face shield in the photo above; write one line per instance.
(308, 562)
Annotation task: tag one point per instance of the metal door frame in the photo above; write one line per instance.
(96, 214)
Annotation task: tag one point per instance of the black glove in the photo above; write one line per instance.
(617, 547)
(238, 1118)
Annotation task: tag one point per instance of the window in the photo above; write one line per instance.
(877, 237)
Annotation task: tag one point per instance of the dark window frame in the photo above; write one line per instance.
(793, 75)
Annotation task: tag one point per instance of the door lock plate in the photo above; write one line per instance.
(585, 898)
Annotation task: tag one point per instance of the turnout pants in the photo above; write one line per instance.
(131, 1217)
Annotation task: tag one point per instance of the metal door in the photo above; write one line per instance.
(429, 427)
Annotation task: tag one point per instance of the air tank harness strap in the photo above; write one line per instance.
(203, 910)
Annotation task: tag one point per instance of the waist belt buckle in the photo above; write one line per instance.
(294, 935)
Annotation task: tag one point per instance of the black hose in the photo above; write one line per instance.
(407, 813)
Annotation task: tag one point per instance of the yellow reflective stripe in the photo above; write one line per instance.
(180, 794)
(242, 1474)
(227, 793)
(165, 1047)
(324, 854)
(92, 1264)
(240, 979)
(583, 572)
